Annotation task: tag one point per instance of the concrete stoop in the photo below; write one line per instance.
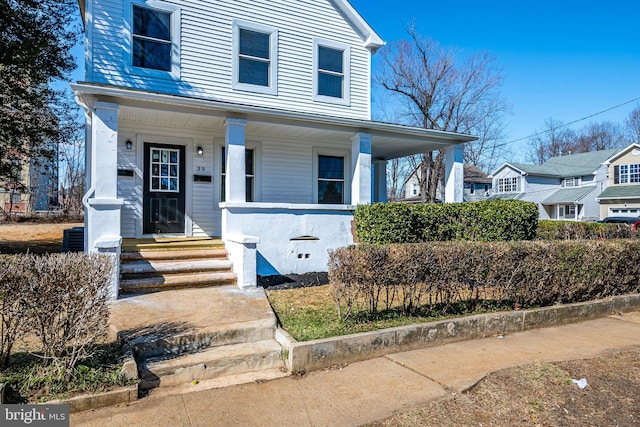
(228, 351)
(216, 362)
(173, 267)
(199, 338)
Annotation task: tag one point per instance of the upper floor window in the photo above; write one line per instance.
(255, 58)
(331, 72)
(626, 174)
(508, 185)
(155, 46)
(571, 182)
(151, 38)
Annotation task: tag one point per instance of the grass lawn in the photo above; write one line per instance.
(30, 381)
(310, 313)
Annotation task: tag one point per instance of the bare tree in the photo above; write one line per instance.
(436, 90)
(398, 171)
(556, 139)
(633, 125)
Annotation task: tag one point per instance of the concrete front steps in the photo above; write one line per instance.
(196, 338)
(154, 265)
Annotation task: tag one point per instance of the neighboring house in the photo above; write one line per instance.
(246, 120)
(564, 187)
(37, 188)
(622, 196)
(477, 185)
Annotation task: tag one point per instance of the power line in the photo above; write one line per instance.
(575, 121)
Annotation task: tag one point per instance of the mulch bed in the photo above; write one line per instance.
(293, 281)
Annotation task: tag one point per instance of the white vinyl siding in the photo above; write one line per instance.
(206, 52)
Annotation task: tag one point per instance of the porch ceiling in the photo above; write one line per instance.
(388, 140)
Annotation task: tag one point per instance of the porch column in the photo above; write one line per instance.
(235, 183)
(102, 222)
(380, 180)
(454, 174)
(361, 169)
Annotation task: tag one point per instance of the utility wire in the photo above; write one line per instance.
(574, 121)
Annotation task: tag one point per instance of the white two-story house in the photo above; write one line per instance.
(564, 187)
(245, 120)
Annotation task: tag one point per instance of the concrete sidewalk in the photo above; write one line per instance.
(371, 390)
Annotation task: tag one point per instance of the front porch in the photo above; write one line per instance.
(278, 187)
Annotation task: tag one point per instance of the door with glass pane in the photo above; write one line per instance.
(164, 184)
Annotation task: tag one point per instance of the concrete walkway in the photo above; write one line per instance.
(368, 391)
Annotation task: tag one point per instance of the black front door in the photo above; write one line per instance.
(163, 198)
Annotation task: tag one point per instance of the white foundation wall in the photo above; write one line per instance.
(292, 238)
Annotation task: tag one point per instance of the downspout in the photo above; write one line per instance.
(82, 102)
(90, 192)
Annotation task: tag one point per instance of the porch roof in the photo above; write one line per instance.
(568, 195)
(388, 140)
(615, 192)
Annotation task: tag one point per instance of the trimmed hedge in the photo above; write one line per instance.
(61, 299)
(571, 230)
(494, 220)
(418, 278)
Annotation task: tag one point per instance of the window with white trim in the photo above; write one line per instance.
(151, 38)
(250, 176)
(331, 179)
(331, 77)
(571, 182)
(626, 174)
(508, 185)
(254, 57)
(153, 46)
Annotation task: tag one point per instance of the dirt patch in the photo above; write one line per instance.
(543, 394)
(16, 238)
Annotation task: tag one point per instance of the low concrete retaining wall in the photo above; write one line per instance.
(318, 354)
(86, 402)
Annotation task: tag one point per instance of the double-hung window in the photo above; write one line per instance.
(331, 72)
(151, 38)
(155, 47)
(330, 179)
(250, 175)
(255, 58)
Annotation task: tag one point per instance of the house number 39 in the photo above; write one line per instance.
(200, 168)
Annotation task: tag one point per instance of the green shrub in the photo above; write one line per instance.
(61, 298)
(495, 220)
(428, 276)
(571, 230)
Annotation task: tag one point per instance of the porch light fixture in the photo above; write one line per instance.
(200, 150)
(129, 144)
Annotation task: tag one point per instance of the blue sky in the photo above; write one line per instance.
(561, 59)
